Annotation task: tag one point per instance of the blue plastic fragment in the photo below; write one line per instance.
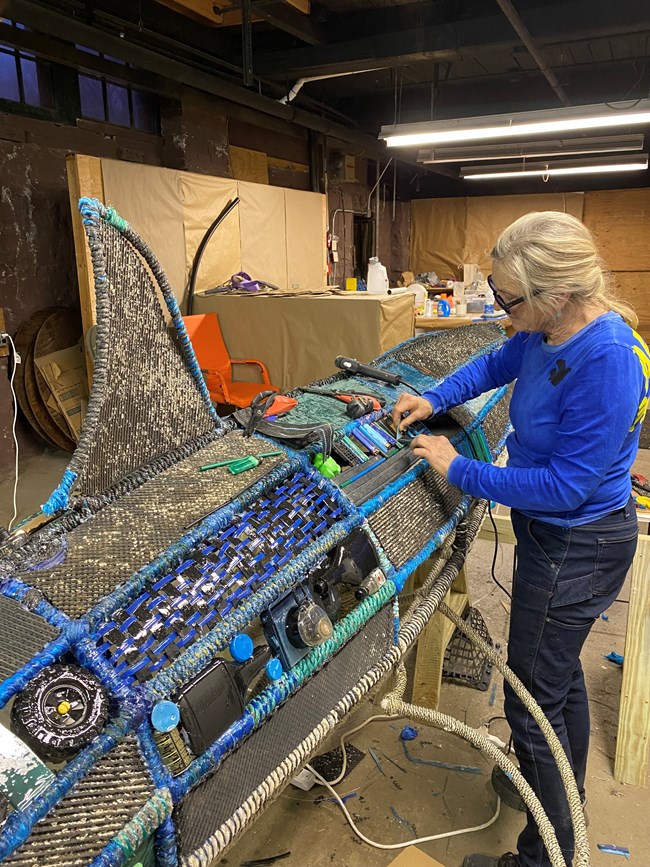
(613, 656)
(604, 617)
(241, 647)
(614, 850)
(165, 716)
(408, 733)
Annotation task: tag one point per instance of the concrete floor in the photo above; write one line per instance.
(404, 799)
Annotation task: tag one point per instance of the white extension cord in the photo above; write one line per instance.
(329, 785)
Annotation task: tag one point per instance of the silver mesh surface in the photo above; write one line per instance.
(123, 537)
(205, 809)
(151, 402)
(497, 419)
(99, 806)
(414, 515)
(23, 635)
(441, 352)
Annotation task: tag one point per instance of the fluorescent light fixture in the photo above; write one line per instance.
(528, 170)
(523, 123)
(532, 149)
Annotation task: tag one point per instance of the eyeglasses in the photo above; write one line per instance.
(503, 304)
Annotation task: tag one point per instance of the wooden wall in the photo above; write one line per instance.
(620, 221)
(443, 235)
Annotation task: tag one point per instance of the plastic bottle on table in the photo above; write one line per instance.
(488, 309)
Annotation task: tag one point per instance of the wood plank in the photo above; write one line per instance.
(84, 179)
(633, 738)
(4, 350)
(274, 162)
(301, 5)
(432, 643)
(504, 529)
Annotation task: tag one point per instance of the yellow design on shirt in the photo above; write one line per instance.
(643, 354)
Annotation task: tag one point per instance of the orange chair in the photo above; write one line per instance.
(216, 364)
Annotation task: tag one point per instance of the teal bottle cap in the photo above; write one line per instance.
(241, 647)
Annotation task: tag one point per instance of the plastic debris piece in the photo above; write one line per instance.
(613, 656)
(604, 617)
(493, 694)
(465, 769)
(405, 822)
(373, 755)
(614, 850)
(408, 733)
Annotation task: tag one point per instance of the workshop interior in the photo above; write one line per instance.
(242, 620)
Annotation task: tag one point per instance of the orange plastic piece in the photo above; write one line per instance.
(216, 364)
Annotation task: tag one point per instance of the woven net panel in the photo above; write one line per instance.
(150, 401)
(415, 514)
(127, 534)
(213, 802)
(23, 635)
(441, 352)
(215, 578)
(496, 421)
(93, 812)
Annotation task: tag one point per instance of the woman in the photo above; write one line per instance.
(581, 394)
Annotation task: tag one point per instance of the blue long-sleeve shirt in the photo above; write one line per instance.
(576, 410)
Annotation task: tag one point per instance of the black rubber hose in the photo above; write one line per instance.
(200, 249)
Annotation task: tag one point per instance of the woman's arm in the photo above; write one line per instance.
(485, 373)
(598, 412)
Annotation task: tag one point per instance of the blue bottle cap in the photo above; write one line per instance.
(241, 647)
(165, 716)
(274, 670)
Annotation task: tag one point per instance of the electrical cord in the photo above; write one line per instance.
(406, 843)
(16, 360)
(496, 551)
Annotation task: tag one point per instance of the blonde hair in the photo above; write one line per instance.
(549, 254)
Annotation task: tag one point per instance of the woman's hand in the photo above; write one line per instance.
(416, 409)
(437, 451)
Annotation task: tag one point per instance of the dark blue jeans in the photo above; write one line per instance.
(565, 579)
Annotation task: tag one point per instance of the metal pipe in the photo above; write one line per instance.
(524, 34)
(293, 93)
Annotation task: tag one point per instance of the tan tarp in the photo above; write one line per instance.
(263, 251)
(447, 232)
(275, 234)
(306, 253)
(150, 199)
(299, 338)
(203, 198)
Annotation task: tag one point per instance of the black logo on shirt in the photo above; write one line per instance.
(559, 372)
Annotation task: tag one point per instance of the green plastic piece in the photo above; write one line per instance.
(242, 465)
(328, 468)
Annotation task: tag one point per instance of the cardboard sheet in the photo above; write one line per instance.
(149, 198)
(299, 338)
(248, 165)
(65, 373)
(447, 232)
(203, 197)
(414, 857)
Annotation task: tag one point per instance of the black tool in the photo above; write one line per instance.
(359, 403)
(259, 405)
(351, 365)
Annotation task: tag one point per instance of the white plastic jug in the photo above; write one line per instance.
(377, 276)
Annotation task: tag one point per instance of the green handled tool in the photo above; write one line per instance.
(240, 465)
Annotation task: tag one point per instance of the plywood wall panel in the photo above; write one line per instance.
(620, 222)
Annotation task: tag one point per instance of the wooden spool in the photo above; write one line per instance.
(24, 342)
